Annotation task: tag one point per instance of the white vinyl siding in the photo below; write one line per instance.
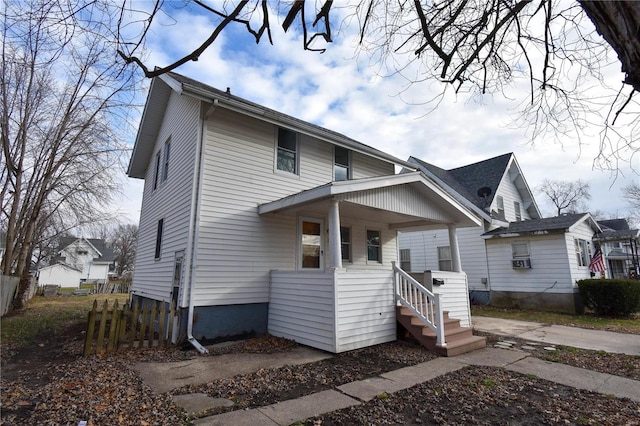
(454, 294)
(237, 247)
(171, 200)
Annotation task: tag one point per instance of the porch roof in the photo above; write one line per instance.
(404, 201)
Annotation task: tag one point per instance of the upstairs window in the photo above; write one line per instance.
(341, 163)
(374, 247)
(156, 171)
(500, 206)
(165, 165)
(444, 259)
(287, 155)
(516, 208)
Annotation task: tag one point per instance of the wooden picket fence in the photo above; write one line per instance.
(111, 330)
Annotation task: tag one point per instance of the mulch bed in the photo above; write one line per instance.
(58, 387)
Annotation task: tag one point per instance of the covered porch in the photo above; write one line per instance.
(345, 289)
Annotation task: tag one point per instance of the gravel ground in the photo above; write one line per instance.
(48, 385)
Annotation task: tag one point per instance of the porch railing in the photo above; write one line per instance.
(424, 304)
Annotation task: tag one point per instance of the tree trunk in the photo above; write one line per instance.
(618, 23)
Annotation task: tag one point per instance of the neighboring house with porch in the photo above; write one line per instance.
(620, 248)
(254, 221)
(536, 263)
(77, 261)
(496, 190)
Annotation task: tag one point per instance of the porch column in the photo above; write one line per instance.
(335, 253)
(455, 252)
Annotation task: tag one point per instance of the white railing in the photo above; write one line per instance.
(419, 300)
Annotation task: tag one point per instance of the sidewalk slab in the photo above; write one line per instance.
(198, 402)
(578, 377)
(491, 357)
(368, 389)
(287, 412)
(407, 377)
(236, 418)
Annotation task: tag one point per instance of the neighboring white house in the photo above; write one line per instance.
(255, 221)
(536, 263)
(497, 191)
(78, 260)
(620, 248)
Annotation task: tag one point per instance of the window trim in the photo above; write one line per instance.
(159, 232)
(349, 245)
(520, 256)
(442, 259)
(156, 171)
(404, 256)
(296, 163)
(379, 246)
(500, 205)
(583, 251)
(347, 166)
(518, 211)
(165, 163)
(300, 261)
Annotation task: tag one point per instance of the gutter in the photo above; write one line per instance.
(194, 227)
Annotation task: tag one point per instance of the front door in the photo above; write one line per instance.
(311, 244)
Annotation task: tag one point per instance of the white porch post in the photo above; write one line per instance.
(335, 253)
(455, 252)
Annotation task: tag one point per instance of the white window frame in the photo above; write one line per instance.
(500, 205)
(300, 253)
(296, 163)
(441, 259)
(156, 171)
(405, 259)
(516, 254)
(518, 211)
(346, 243)
(159, 235)
(366, 236)
(165, 162)
(336, 165)
(583, 251)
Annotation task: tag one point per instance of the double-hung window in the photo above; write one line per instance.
(345, 243)
(444, 258)
(500, 206)
(159, 238)
(582, 251)
(156, 171)
(374, 246)
(516, 208)
(165, 164)
(341, 163)
(287, 151)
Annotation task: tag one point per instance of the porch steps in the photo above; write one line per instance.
(459, 339)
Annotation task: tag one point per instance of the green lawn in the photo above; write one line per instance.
(49, 314)
(627, 325)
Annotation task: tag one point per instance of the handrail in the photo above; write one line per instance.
(418, 299)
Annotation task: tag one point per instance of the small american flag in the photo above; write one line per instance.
(597, 263)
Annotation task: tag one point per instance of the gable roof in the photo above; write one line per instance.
(479, 182)
(157, 101)
(616, 230)
(549, 225)
(105, 254)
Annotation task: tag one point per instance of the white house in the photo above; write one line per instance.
(78, 260)
(536, 263)
(255, 221)
(620, 248)
(496, 190)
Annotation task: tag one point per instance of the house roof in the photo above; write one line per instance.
(105, 254)
(616, 230)
(549, 225)
(407, 200)
(158, 97)
(478, 183)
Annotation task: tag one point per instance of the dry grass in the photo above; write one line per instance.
(49, 315)
(622, 325)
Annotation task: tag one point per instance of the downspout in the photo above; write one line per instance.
(194, 226)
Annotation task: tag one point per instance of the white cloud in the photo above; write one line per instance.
(345, 94)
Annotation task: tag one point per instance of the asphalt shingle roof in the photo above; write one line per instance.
(549, 224)
(467, 180)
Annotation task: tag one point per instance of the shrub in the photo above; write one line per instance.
(610, 297)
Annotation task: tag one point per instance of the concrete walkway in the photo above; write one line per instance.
(355, 393)
(561, 335)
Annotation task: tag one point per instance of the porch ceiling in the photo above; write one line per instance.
(408, 200)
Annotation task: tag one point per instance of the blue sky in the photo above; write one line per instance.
(344, 93)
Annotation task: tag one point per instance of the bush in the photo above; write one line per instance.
(611, 297)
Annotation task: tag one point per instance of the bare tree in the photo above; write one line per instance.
(64, 113)
(566, 195)
(478, 47)
(631, 194)
(123, 242)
